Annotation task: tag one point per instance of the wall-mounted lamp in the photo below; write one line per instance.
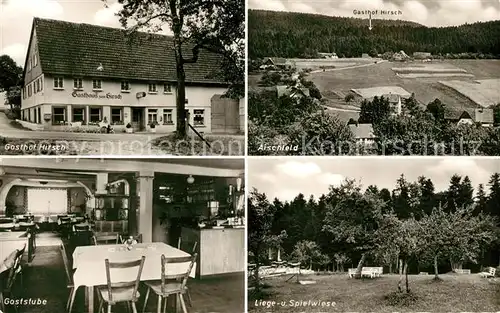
(238, 184)
(190, 179)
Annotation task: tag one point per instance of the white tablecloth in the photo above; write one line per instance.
(10, 241)
(89, 262)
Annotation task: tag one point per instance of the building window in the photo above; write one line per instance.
(41, 83)
(79, 115)
(58, 83)
(167, 116)
(29, 90)
(58, 116)
(167, 88)
(24, 93)
(199, 117)
(152, 88)
(117, 116)
(97, 84)
(95, 115)
(78, 84)
(37, 85)
(152, 116)
(125, 86)
(35, 58)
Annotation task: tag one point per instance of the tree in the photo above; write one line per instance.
(11, 76)
(306, 252)
(436, 108)
(260, 235)
(457, 235)
(349, 97)
(352, 219)
(374, 111)
(213, 25)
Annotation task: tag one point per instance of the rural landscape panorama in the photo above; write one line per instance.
(375, 81)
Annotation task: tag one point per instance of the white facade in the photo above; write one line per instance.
(56, 102)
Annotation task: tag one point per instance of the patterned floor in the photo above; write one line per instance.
(45, 279)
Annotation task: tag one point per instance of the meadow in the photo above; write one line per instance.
(454, 293)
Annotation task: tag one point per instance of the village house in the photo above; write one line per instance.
(470, 116)
(81, 75)
(276, 63)
(363, 133)
(292, 91)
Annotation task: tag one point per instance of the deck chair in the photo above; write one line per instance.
(489, 273)
(296, 275)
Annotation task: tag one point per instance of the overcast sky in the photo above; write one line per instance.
(285, 178)
(16, 17)
(426, 12)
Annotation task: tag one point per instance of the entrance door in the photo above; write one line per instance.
(225, 115)
(138, 119)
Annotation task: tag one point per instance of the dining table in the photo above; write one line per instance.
(90, 268)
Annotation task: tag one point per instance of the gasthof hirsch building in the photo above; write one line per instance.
(87, 76)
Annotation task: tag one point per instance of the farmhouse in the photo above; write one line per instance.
(292, 92)
(394, 102)
(363, 133)
(470, 116)
(81, 75)
(270, 62)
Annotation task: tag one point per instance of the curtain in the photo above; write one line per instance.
(47, 200)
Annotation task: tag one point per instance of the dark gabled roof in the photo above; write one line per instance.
(74, 49)
(484, 116)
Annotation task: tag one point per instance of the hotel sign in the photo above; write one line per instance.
(95, 95)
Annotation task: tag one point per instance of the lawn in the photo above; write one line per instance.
(338, 293)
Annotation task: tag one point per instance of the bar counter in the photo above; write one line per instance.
(220, 250)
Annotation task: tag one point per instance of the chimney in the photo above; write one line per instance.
(101, 183)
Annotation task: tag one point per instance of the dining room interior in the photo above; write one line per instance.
(117, 235)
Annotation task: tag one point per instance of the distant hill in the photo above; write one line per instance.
(289, 34)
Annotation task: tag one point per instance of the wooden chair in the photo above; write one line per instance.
(11, 276)
(81, 227)
(106, 239)
(176, 284)
(116, 292)
(137, 238)
(69, 279)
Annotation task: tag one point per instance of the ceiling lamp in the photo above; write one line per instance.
(190, 179)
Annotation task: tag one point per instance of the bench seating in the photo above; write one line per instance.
(462, 271)
(372, 272)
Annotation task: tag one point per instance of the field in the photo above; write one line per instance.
(426, 89)
(381, 90)
(484, 92)
(456, 293)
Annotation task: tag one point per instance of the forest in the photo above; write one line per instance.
(299, 35)
(432, 231)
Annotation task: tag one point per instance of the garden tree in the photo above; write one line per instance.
(11, 76)
(436, 108)
(400, 238)
(258, 134)
(404, 198)
(411, 105)
(270, 79)
(493, 206)
(306, 252)
(464, 139)
(352, 219)
(340, 259)
(407, 135)
(321, 133)
(457, 235)
(374, 111)
(260, 235)
(313, 90)
(213, 25)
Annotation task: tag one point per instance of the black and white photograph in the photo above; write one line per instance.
(374, 77)
(378, 235)
(122, 77)
(122, 235)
